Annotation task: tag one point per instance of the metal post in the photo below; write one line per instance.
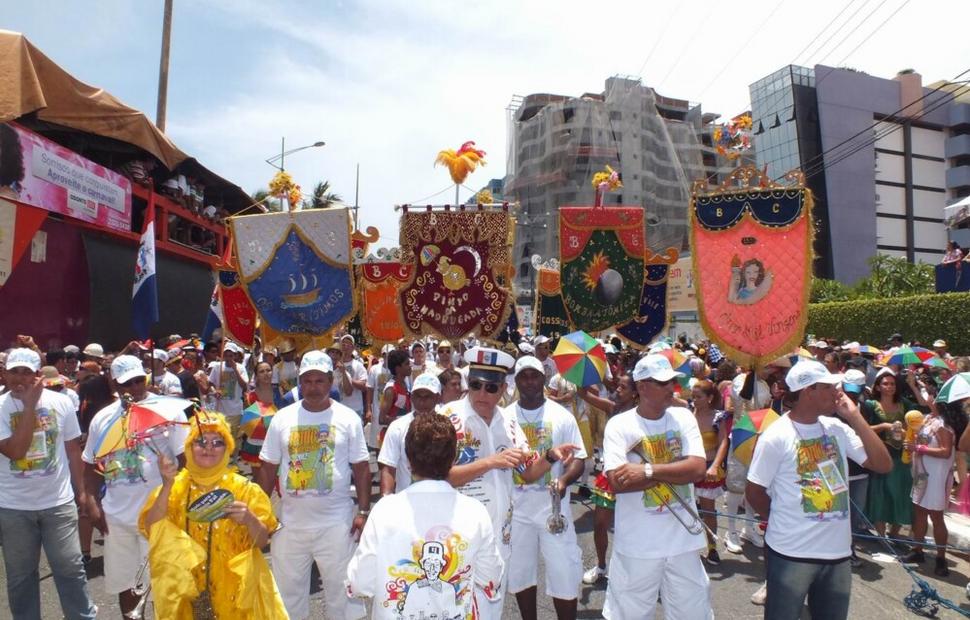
(356, 198)
(163, 67)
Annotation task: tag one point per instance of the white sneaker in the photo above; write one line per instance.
(732, 543)
(758, 598)
(594, 574)
(753, 537)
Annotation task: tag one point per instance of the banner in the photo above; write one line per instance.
(460, 262)
(652, 317)
(355, 329)
(379, 284)
(238, 313)
(681, 294)
(549, 318)
(601, 257)
(296, 268)
(18, 225)
(752, 257)
(59, 180)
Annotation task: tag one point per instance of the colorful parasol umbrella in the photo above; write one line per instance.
(678, 361)
(137, 421)
(255, 415)
(745, 432)
(580, 359)
(787, 361)
(956, 388)
(867, 349)
(905, 356)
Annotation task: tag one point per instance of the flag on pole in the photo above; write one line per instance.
(213, 320)
(144, 293)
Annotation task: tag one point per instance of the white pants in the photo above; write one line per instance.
(680, 579)
(491, 609)
(560, 552)
(331, 546)
(125, 551)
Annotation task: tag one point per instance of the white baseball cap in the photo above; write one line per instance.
(232, 347)
(23, 358)
(853, 381)
(540, 340)
(316, 360)
(820, 344)
(124, 368)
(526, 362)
(655, 366)
(94, 350)
(427, 381)
(808, 372)
(526, 348)
(160, 355)
(940, 344)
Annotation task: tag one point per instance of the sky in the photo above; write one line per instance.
(388, 83)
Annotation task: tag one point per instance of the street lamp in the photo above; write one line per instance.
(283, 153)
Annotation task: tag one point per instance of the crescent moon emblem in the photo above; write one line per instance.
(475, 255)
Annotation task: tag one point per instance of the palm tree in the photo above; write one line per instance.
(272, 203)
(322, 197)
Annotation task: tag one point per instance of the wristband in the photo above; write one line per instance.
(921, 449)
(363, 512)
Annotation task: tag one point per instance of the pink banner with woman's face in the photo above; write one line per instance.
(40, 173)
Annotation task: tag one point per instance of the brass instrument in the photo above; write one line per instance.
(556, 523)
(695, 525)
(143, 586)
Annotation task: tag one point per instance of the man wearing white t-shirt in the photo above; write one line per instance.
(490, 445)
(351, 370)
(163, 381)
(377, 377)
(541, 344)
(395, 470)
(129, 474)
(545, 424)
(40, 476)
(799, 480)
(230, 379)
(650, 453)
(316, 448)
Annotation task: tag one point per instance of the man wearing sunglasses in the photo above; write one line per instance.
(651, 453)
(130, 474)
(491, 444)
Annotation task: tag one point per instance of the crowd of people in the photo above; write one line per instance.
(480, 451)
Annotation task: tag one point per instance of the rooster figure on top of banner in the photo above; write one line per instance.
(601, 251)
(752, 260)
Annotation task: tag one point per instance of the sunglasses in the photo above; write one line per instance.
(215, 444)
(475, 386)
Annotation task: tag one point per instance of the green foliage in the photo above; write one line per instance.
(871, 321)
(889, 276)
(322, 197)
(269, 201)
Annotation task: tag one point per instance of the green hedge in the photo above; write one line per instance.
(871, 321)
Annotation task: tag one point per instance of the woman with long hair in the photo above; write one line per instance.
(267, 401)
(604, 500)
(714, 433)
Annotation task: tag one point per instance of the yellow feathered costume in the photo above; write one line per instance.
(241, 584)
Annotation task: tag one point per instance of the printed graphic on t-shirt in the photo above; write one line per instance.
(539, 436)
(663, 448)
(122, 467)
(468, 445)
(818, 502)
(41, 457)
(311, 452)
(434, 581)
(227, 383)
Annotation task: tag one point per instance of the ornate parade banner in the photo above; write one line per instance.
(549, 317)
(296, 268)
(601, 255)
(652, 317)
(460, 261)
(238, 313)
(381, 279)
(752, 259)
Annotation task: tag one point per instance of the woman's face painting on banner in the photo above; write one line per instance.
(750, 281)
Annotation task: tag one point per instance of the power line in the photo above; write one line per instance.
(849, 34)
(879, 27)
(822, 31)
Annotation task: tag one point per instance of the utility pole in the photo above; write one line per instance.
(163, 67)
(356, 197)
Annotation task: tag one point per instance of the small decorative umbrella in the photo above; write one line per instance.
(580, 359)
(745, 432)
(904, 356)
(137, 421)
(255, 415)
(867, 349)
(956, 388)
(678, 361)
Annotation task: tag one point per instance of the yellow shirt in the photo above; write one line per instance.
(240, 582)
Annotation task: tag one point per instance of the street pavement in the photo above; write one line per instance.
(878, 588)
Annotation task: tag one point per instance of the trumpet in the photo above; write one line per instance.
(556, 524)
(143, 586)
(695, 525)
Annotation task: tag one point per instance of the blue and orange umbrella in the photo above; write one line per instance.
(580, 359)
(744, 433)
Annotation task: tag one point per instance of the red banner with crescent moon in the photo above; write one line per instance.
(379, 285)
(460, 261)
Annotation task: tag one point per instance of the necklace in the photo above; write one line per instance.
(538, 416)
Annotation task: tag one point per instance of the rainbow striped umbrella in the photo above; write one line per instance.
(580, 359)
(904, 356)
(255, 415)
(868, 349)
(678, 361)
(744, 433)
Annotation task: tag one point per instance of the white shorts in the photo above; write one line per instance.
(560, 552)
(331, 546)
(125, 552)
(709, 493)
(680, 580)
